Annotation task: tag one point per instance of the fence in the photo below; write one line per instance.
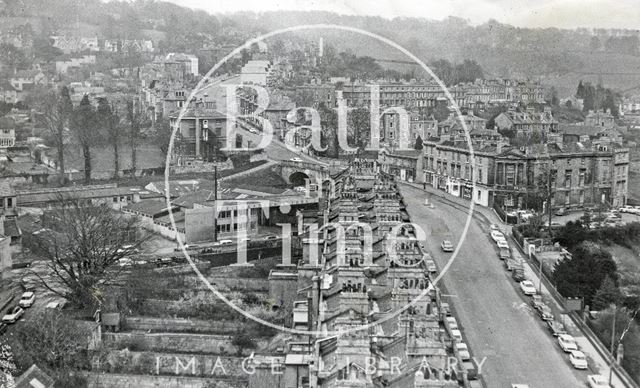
(546, 277)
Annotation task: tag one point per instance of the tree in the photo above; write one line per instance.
(54, 113)
(595, 44)
(607, 294)
(137, 121)
(162, 135)
(360, 126)
(81, 248)
(83, 124)
(110, 121)
(418, 146)
(52, 341)
(582, 274)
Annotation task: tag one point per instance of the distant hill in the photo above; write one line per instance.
(555, 56)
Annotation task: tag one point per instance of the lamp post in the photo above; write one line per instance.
(613, 338)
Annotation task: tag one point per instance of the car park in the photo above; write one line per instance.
(556, 328)
(446, 246)
(597, 381)
(567, 343)
(578, 359)
(13, 316)
(27, 299)
(527, 287)
(463, 351)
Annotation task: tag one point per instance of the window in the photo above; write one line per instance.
(9, 202)
(567, 179)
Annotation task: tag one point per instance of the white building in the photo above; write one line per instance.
(256, 72)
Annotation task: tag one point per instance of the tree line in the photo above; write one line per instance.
(89, 126)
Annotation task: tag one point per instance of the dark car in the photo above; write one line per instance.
(556, 328)
(545, 312)
(3, 328)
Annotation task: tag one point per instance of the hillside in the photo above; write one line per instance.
(554, 56)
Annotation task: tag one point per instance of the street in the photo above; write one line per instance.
(497, 320)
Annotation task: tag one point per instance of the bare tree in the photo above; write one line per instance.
(137, 121)
(110, 121)
(82, 246)
(84, 125)
(54, 112)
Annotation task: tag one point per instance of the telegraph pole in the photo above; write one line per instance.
(215, 200)
(613, 339)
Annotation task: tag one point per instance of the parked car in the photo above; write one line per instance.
(463, 351)
(3, 328)
(456, 335)
(502, 244)
(296, 159)
(597, 381)
(125, 262)
(446, 246)
(13, 316)
(504, 253)
(545, 313)
(497, 235)
(567, 343)
(536, 301)
(578, 359)
(452, 322)
(629, 209)
(27, 300)
(431, 266)
(556, 328)
(527, 287)
(493, 227)
(560, 211)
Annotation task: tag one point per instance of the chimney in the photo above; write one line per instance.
(499, 146)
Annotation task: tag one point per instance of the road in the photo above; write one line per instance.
(497, 320)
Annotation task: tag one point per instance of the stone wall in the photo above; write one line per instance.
(164, 364)
(173, 342)
(149, 381)
(179, 325)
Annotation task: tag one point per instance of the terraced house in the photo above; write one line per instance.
(580, 174)
(369, 292)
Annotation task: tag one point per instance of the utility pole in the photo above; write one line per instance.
(215, 200)
(613, 338)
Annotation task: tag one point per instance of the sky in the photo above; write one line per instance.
(521, 13)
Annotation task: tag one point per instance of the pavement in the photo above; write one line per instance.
(497, 319)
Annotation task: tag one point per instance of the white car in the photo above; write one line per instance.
(597, 381)
(453, 324)
(493, 227)
(527, 287)
(567, 343)
(497, 235)
(456, 335)
(27, 300)
(446, 246)
(578, 359)
(463, 351)
(431, 266)
(629, 209)
(296, 159)
(14, 315)
(125, 262)
(254, 131)
(502, 244)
